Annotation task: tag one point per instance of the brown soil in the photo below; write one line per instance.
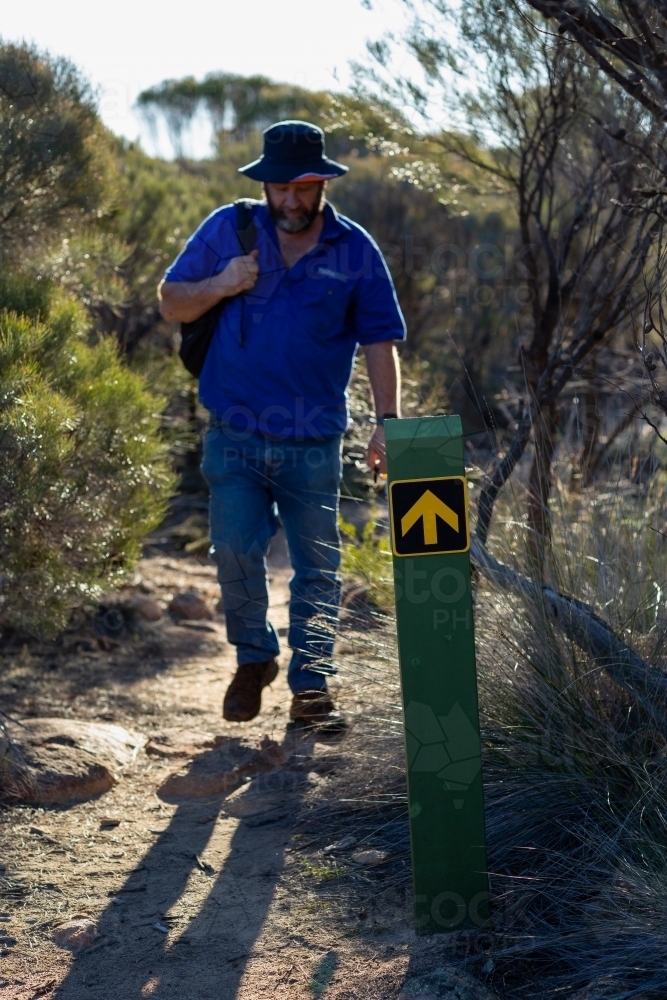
(225, 897)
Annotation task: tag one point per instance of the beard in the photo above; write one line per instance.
(294, 223)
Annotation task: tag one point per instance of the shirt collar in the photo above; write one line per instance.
(334, 227)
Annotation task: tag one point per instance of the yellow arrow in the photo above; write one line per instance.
(429, 507)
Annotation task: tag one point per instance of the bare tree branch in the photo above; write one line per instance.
(580, 623)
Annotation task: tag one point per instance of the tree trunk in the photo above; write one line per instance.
(539, 486)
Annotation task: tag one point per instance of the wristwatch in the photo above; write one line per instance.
(385, 416)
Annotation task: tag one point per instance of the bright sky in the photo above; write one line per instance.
(128, 45)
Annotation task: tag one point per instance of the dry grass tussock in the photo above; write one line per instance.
(574, 768)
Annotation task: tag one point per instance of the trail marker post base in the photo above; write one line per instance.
(428, 499)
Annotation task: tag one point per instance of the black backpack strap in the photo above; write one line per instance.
(196, 336)
(246, 229)
(246, 232)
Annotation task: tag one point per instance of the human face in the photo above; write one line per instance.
(294, 207)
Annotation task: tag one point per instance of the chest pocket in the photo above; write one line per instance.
(324, 299)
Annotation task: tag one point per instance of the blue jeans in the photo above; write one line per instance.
(252, 480)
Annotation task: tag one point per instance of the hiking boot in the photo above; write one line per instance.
(316, 710)
(244, 695)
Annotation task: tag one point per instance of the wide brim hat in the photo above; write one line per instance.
(293, 151)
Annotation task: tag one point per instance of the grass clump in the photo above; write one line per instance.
(576, 816)
(574, 765)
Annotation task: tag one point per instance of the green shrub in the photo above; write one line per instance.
(54, 159)
(84, 474)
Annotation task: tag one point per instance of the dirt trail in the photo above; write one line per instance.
(191, 902)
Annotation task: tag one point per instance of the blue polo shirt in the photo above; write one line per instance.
(282, 354)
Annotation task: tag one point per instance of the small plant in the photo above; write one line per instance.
(366, 559)
(319, 871)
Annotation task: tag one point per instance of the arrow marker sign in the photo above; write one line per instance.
(428, 508)
(429, 516)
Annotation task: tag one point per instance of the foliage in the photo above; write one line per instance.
(89, 264)
(159, 205)
(242, 106)
(84, 475)
(52, 160)
(460, 315)
(573, 765)
(585, 245)
(116, 265)
(19, 293)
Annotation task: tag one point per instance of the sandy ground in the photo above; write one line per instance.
(190, 902)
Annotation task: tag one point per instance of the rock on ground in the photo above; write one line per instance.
(77, 933)
(370, 857)
(61, 760)
(189, 605)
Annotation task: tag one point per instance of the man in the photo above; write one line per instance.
(314, 287)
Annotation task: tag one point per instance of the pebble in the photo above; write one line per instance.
(109, 822)
(75, 934)
(370, 857)
(189, 605)
(342, 845)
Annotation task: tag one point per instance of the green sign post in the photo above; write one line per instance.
(428, 503)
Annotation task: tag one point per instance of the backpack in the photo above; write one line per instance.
(196, 337)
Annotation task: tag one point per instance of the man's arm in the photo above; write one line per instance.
(384, 373)
(186, 301)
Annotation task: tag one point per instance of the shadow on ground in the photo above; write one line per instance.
(205, 958)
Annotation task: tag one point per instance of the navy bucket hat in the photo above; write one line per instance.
(293, 151)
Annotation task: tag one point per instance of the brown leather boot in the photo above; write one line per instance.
(315, 709)
(244, 695)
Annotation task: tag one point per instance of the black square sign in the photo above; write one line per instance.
(429, 516)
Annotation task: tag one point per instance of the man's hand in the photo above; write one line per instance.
(186, 301)
(376, 453)
(240, 275)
